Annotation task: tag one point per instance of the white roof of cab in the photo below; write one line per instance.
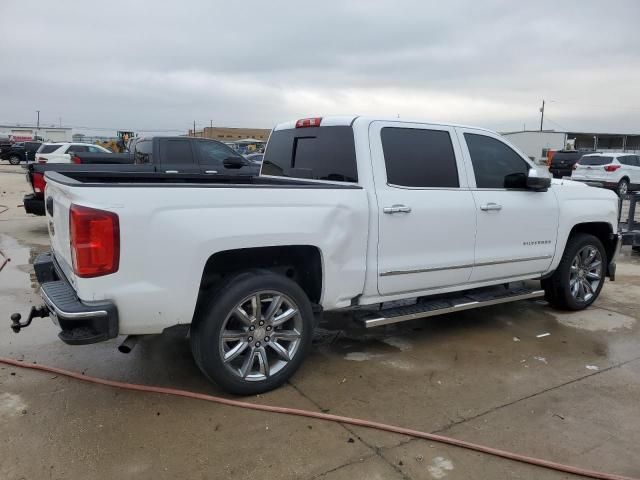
(347, 120)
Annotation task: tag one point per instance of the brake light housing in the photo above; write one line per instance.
(308, 122)
(42, 160)
(611, 168)
(95, 241)
(38, 182)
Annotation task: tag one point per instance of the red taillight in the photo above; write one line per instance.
(42, 160)
(76, 159)
(308, 122)
(611, 168)
(38, 182)
(95, 241)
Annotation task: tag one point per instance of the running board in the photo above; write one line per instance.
(431, 308)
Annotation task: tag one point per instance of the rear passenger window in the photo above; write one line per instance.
(176, 151)
(493, 161)
(416, 157)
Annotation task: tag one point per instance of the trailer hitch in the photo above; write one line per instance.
(36, 312)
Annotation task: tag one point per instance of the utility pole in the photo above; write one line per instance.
(541, 115)
(38, 123)
(194, 128)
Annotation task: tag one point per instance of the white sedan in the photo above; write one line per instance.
(63, 152)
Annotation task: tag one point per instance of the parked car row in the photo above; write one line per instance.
(187, 155)
(617, 171)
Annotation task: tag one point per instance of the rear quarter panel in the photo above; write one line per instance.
(168, 233)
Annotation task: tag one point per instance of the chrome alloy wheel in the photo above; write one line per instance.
(586, 273)
(261, 335)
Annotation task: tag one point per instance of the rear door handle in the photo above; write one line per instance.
(490, 206)
(211, 171)
(171, 171)
(397, 209)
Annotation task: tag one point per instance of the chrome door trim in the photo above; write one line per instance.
(454, 267)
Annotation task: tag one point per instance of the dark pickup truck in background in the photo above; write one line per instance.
(178, 155)
(20, 152)
(150, 154)
(563, 161)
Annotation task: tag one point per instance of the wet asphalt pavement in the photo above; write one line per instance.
(487, 376)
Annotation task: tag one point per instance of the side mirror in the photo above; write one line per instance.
(537, 181)
(234, 162)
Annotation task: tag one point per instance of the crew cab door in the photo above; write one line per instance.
(516, 228)
(426, 214)
(176, 156)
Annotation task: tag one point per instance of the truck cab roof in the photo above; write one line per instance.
(349, 120)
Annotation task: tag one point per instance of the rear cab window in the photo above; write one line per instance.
(143, 151)
(318, 153)
(595, 160)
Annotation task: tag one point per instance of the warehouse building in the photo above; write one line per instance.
(232, 135)
(535, 143)
(22, 133)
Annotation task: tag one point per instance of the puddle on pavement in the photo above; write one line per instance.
(595, 319)
(18, 271)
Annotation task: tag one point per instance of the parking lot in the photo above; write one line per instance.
(520, 377)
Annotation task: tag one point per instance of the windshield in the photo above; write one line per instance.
(595, 160)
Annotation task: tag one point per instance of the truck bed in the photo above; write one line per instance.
(148, 178)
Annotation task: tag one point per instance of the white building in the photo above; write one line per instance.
(21, 133)
(535, 144)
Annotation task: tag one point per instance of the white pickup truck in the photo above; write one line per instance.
(347, 213)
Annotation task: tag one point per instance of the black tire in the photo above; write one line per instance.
(557, 287)
(14, 160)
(623, 187)
(212, 316)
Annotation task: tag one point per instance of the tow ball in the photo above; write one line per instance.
(36, 312)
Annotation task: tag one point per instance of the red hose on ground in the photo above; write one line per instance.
(325, 416)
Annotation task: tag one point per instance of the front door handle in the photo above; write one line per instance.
(397, 209)
(490, 206)
(171, 171)
(211, 171)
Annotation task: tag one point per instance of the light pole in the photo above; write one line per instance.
(38, 124)
(541, 115)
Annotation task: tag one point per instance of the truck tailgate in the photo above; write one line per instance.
(58, 200)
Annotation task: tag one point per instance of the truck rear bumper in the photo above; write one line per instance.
(33, 204)
(81, 323)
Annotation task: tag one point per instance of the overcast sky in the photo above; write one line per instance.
(152, 65)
